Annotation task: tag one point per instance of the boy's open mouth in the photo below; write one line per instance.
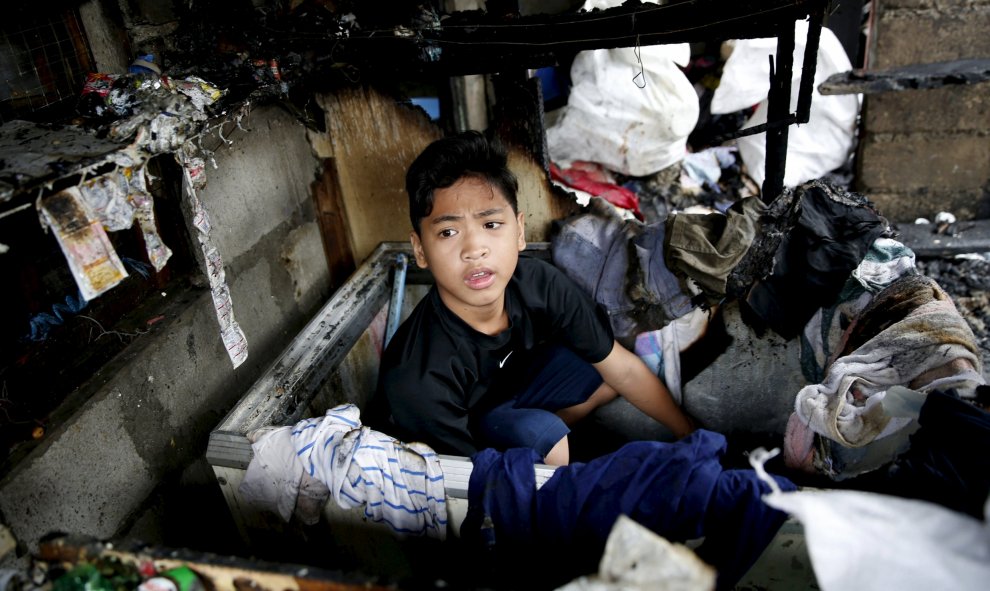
(479, 278)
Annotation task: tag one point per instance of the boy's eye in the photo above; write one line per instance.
(447, 232)
(492, 225)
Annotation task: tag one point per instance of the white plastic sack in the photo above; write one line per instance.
(813, 149)
(611, 120)
(859, 540)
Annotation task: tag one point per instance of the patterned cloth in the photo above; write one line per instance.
(296, 468)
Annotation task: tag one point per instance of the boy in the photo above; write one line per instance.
(504, 351)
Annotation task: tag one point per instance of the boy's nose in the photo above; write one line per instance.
(474, 247)
(475, 252)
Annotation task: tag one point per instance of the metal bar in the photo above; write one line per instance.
(754, 130)
(473, 42)
(285, 389)
(398, 294)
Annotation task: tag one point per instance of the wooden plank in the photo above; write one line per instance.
(375, 138)
(333, 227)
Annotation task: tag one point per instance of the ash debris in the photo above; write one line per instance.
(966, 278)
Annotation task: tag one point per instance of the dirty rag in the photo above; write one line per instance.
(846, 408)
(885, 262)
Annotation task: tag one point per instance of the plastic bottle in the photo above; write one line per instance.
(180, 578)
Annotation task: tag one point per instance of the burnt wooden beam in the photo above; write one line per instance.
(778, 103)
(475, 42)
(913, 77)
(333, 225)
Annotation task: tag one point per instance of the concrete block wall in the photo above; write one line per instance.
(148, 414)
(925, 151)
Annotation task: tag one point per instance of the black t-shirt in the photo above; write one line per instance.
(437, 372)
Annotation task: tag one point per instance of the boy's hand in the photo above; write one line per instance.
(692, 426)
(629, 376)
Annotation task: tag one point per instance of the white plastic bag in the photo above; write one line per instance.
(859, 540)
(615, 120)
(813, 149)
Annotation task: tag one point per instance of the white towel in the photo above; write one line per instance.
(400, 485)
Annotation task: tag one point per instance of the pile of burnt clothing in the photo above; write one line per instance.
(816, 280)
(907, 335)
(785, 260)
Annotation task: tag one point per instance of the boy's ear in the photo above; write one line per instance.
(522, 231)
(418, 250)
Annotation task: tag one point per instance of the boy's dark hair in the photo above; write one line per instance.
(449, 159)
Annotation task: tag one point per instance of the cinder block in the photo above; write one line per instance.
(961, 108)
(887, 6)
(905, 37)
(942, 5)
(914, 162)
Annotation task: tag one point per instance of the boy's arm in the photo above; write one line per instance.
(628, 375)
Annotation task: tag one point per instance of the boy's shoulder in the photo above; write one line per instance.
(530, 266)
(536, 277)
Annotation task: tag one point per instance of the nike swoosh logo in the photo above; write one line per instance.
(502, 363)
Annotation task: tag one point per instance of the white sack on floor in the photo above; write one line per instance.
(859, 540)
(814, 148)
(611, 120)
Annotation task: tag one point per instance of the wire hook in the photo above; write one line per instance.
(639, 79)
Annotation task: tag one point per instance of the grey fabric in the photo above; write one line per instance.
(620, 263)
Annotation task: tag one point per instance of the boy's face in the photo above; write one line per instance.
(471, 242)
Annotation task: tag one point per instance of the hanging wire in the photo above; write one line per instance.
(641, 76)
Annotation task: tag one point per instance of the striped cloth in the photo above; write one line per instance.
(397, 484)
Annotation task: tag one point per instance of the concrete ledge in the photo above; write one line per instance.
(960, 238)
